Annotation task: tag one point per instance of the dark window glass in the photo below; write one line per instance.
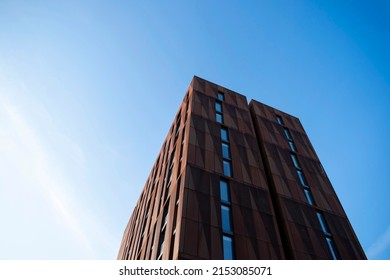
(172, 161)
(218, 117)
(279, 119)
(165, 216)
(177, 126)
(301, 178)
(295, 160)
(226, 220)
(224, 134)
(288, 134)
(227, 248)
(332, 248)
(309, 196)
(182, 137)
(151, 249)
(218, 107)
(225, 151)
(292, 146)
(179, 168)
(324, 227)
(224, 190)
(227, 168)
(177, 132)
(172, 245)
(221, 96)
(169, 177)
(161, 245)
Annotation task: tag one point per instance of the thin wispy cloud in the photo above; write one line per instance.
(27, 154)
(37, 160)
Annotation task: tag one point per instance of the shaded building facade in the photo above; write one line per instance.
(237, 181)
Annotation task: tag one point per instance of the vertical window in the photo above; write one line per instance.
(288, 134)
(309, 196)
(224, 191)
(324, 227)
(152, 241)
(178, 192)
(169, 178)
(225, 151)
(163, 228)
(172, 246)
(332, 248)
(301, 178)
(279, 119)
(328, 236)
(295, 160)
(227, 227)
(165, 216)
(221, 96)
(227, 168)
(292, 146)
(226, 219)
(144, 224)
(177, 126)
(170, 168)
(172, 161)
(218, 107)
(161, 245)
(224, 135)
(227, 248)
(219, 118)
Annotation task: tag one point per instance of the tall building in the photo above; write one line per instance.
(237, 181)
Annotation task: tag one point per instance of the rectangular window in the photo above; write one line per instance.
(169, 178)
(288, 134)
(225, 151)
(224, 191)
(221, 96)
(177, 193)
(177, 126)
(227, 168)
(295, 160)
(177, 132)
(279, 119)
(332, 248)
(165, 216)
(226, 219)
(224, 134)
(309, 196)
(172, 160)
(161, 245)
(218, 107)
(172, 245)
(301, 178)
(151, 249)
(227, 248)
(218, 117)
(180, 159)
(292, 146)
(324, 227)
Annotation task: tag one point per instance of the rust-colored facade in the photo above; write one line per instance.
(237, 181)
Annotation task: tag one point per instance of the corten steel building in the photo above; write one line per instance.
(237, 181)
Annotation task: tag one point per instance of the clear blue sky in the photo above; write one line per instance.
(89, 89)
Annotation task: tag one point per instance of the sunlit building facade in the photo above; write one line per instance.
(237, 181)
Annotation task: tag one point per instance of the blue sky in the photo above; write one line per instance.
(89, 89)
